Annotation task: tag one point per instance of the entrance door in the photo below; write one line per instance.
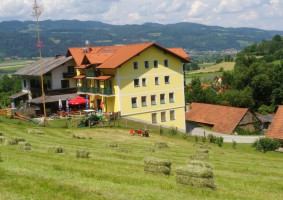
(98, 101)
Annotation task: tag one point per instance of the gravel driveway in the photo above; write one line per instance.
(227, 138)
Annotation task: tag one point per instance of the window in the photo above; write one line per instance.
(25, 83)
(162, 98)
(167, 79)
(171, 97)
(136, 66)
(146, 64)
(172, 115)
(155, 64)
(153, 99)
(134, 102)
(143, 81)
(166, 63)
(163, 116)
(156, 79)
(143, 100)
(137, 82)
(64, 83)
(154, 118)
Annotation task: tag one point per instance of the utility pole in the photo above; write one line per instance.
(37, 11)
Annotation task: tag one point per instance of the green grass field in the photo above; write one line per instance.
(10, 66)
(239, 173)
(227, 66)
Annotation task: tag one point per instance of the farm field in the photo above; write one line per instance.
(11, 66)
(118, 172)
(227, 66)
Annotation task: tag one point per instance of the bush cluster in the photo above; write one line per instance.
(266, 144)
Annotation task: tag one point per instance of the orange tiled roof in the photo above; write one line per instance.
(223, 118)
(180, 52)
(275, 130)
(114, 56)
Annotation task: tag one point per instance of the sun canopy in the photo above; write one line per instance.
(78, 101)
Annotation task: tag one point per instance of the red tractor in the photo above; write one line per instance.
(139, 132)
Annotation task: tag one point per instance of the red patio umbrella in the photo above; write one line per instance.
(78, 100)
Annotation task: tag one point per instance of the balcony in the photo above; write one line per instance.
(69, 74)
(92, 90)
(92, 74)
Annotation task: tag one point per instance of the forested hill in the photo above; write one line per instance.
(19, 38)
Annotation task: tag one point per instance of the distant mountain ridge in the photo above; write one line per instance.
(19, 38)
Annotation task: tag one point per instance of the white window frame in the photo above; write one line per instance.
(164, 116)
(136, 65)
(172, 100)
(146, 61)
(153, 102)
(144, 82)
(138, 82)
(168, 80)
(155, 61)
(164, 99)
(174, 116)
(144, 104)
(155, 118)
(136, 102)
(156, 82)
(166, 64)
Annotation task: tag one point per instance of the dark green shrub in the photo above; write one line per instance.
(220, 141)
(185, 136)
(203, 139)
(266, 144)
(211, 138)
(234, 144)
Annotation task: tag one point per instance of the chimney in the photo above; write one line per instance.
(87, 45)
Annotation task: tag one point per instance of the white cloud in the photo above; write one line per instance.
(197, 8)
(252, 15)
(232, 13)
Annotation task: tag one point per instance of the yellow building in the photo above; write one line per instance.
(143, 82)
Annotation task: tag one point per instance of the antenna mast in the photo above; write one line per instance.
(37, 11)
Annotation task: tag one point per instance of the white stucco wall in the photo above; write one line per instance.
(57, 76)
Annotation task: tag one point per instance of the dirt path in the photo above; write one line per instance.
(227, 138)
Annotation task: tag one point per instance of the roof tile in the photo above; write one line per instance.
(275, 130)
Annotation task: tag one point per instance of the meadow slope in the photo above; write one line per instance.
(111, 173)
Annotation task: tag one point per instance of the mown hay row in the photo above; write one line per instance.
(81, 137)
(161, 145)
(157, 169)
(2, 134)
(55, 149)
(2, 138)
(201, 157)
(25, 146)
(196, 182)
(124, 149)
(157, 161)
(15, 141)
(33, 131)
(199, 163)
(82, 154)
(195, 171)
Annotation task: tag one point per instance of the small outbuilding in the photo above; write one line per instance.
(223, 119)
(275, 130)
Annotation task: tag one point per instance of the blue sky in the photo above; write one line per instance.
(263, 14)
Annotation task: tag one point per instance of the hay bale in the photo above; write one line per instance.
(161, 145)
(157, 169)
(82, 154)
(196, 182)
(157, 161)
(150, 149)
(124, 149)
(202, 151)
(199, 156)
(195, 171)
(2, 138)
(24, 146)
(199, 163)
(55, 149)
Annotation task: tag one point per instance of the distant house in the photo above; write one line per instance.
(58, 73)
(222, 119)
(275, 130)
(265, 120)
